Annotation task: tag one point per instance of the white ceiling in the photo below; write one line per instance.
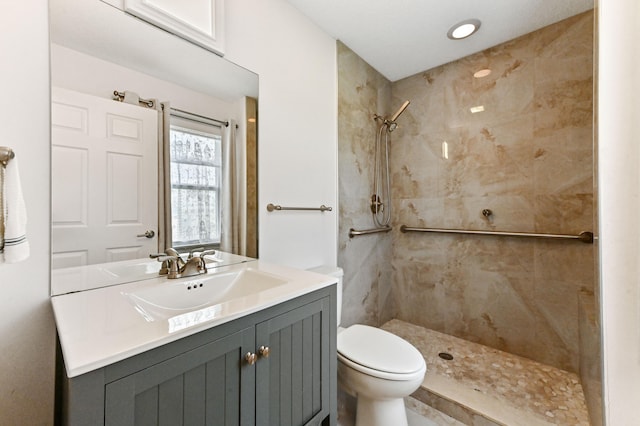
(400, 38)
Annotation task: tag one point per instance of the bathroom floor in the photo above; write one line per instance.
(482, 386)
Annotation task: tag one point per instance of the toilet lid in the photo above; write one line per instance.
(379, 350)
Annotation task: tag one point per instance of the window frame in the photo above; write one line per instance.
(200, 126)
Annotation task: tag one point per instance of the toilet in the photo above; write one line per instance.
(375, 366)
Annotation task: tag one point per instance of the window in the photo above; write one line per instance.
(195, 160)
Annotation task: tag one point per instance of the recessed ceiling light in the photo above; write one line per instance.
(482, 73)
(463, 29)
(476, 109)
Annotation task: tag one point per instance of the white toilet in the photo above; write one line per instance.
(377, 367)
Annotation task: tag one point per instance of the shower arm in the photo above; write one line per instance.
(400, 110)
(394, 117)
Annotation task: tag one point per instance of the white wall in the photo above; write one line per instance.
(297, 126)
(27, 336)
(298, 163)
(297, 133)
(619, 183)
(77, 71)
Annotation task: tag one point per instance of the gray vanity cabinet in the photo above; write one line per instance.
(291, 383)
(205, 379)
(204, 383)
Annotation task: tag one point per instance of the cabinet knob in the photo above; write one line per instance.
(264, 351)
(251, 358)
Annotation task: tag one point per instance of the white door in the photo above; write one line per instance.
(104, 179)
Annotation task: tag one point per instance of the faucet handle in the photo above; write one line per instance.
(164, 269)
(207, 253)
(169, 266)
(204, 262)
(193, 251)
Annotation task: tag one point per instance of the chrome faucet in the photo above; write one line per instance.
(174, 266)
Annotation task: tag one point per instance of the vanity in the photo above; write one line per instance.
(251, 343)
(247, 343)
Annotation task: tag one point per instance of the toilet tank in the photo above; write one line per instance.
(337, 272)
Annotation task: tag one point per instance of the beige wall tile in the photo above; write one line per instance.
(528, 157)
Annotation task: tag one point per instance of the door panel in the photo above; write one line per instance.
(202, 386)
(292, 375)
(104, 179)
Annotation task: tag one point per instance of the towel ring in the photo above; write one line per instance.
(6, 154)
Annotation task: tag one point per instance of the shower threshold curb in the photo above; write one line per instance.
(466, 405)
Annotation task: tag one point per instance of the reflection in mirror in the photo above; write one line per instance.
(152, 165)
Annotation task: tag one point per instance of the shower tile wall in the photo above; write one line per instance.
(528, 157)
(366, 260)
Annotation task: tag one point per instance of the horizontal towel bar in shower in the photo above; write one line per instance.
(585, 237)
(355, 233)
(271, 207)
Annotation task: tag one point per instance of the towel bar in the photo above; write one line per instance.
(120, 96)
(271, 207)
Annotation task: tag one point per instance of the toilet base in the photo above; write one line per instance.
(386, 412)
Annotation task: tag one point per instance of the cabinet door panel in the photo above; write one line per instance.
(195, 404)
(220, 399)
(199, 387)
(291, 387)
(171, 400)
(146, 407)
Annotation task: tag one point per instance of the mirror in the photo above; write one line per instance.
(97, 49)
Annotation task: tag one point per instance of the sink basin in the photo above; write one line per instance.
(172, 299)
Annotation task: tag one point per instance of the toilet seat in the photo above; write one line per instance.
(378, 353)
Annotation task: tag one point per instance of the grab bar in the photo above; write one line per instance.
(585, 237)
(355, 233)
(271, 207)
(6, 154)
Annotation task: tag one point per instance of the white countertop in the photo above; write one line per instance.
(101, 326)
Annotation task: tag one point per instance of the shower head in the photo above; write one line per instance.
(391, 122)
(395, 116)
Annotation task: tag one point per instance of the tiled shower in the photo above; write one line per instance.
(517, 142)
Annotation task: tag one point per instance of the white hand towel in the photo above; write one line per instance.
(16, 246)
